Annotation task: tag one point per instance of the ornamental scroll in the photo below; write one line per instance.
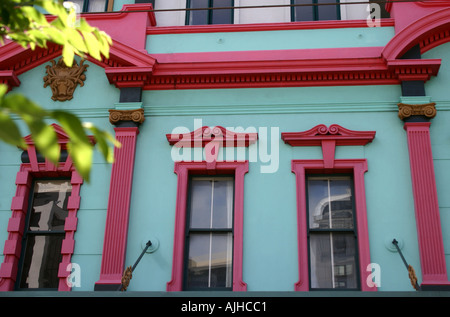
(136, 116)
(63, 79)
(405, 111)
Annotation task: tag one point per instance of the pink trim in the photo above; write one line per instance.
(328, 138)
(264, 27)
(358, 167)
(211, 139)
(183, 170)
(429, 230)
(320, 133)
(19, 207)
(116, 228)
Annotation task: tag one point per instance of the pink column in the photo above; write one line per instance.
(116, 230)
(429, 230)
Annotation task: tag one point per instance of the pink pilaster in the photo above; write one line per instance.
(429, 230)
(116, 230)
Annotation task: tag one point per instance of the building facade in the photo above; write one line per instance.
(275, 149)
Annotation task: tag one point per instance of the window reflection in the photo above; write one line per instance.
(44, 234)
(210, 238)
(332, 242)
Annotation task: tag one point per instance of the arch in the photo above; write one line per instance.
(428, 32)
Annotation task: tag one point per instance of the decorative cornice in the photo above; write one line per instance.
(204, 135)
(266, 69)
(136, 115)
(427, 110)
(320, 133)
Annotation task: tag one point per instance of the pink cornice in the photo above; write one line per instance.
(14, 57)
(328, 138)
(320, 133)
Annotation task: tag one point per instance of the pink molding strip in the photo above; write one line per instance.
(429, 230)
(19, 207)
(264, 26)
(183, 170)
(116, 228)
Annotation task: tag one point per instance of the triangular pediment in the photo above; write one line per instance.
(15, 60)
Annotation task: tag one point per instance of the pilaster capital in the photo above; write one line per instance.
(427, 110)
(135, 115)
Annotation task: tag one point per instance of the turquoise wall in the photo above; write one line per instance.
(437, 89)
(270, 233)
(269, 40)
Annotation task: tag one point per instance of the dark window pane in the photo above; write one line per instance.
(97, 5)
(303, 12)
(198, 17)
(224, 16)
(333, 260)
(210, 260)
(49, 209)
(41, 261)
(327, 12)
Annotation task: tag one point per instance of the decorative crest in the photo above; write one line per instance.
(63, 79)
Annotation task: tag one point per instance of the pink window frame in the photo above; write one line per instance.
(19, 207)
(211, 140)
(328, 138)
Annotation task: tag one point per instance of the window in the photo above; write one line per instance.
(331, 211)
(44, 234)
(91, 5)
(195, 16)
(209, 215)
(315, 10)
(332, 236)
(40, 244)
(209, 238)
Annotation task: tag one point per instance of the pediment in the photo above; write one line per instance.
(15, 60)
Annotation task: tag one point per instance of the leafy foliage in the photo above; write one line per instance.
(24, 23)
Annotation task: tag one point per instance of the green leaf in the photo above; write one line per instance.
(81, 155)
(103, 139)
(9, 132)
(55, 35)
(34, 15)
(92, 45)
(80, 147)
(45, 139)
(68, 55)
(75, 39)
